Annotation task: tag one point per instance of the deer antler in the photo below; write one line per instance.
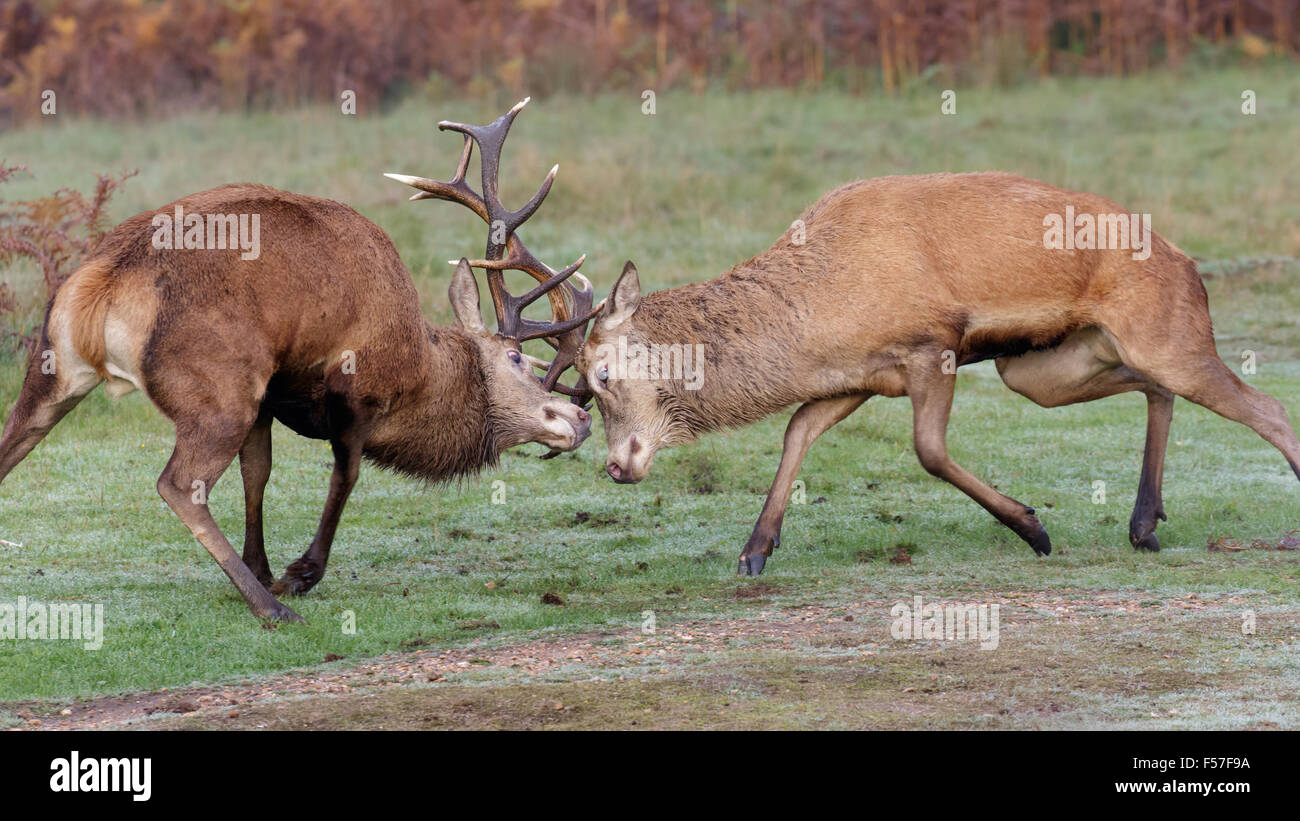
(571, 306)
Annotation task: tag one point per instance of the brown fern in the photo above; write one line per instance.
(56, 232)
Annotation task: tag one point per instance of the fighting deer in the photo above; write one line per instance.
(322, 331)
(886, 286)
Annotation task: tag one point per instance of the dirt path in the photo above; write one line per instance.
(1063, 660)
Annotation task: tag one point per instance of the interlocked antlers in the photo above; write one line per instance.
(568, 330)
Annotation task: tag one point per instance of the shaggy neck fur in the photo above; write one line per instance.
(446, 427)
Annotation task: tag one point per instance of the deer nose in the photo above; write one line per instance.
(583, 416)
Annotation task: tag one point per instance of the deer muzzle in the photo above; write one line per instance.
(629, 463)
(565, 424)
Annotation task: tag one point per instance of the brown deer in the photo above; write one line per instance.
(884, 287)
(322, 331)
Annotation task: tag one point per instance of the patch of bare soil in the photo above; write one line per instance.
(1063, 659)
(756, 590)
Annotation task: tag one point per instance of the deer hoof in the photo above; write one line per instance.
(1148, 542)
(290, 586)
(751, 565)
(1035, 535)
(760, 545)
(298, 578)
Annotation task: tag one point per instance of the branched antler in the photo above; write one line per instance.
(570, 305)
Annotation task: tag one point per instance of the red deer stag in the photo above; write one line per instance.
(883, 288)
(322, 331)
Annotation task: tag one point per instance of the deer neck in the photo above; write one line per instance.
(443, 426)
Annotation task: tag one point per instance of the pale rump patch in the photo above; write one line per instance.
(96, 338)
(75, 376)
(126, 329)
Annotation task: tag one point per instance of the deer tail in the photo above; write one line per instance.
(82, 303)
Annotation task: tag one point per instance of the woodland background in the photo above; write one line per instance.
(121, 58)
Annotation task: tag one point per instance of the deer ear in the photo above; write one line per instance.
(463, 294)
(624, 299)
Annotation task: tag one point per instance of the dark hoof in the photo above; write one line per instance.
(760, 545)
(1148, 542)
(1034, 534)
(1142, 528)
(298, 578)
(751, 565)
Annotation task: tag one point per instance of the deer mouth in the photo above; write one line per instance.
(566, 426)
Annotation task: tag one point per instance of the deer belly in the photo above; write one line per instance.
(1054, 376)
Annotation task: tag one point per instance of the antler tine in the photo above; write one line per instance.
(453, 190)
(581, 311)
(559, 278)
(491, 139)
(566, 352)
(553, 278)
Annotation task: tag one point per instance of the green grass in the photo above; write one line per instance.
(706, 182)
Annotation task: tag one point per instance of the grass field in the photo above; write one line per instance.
(448, 587)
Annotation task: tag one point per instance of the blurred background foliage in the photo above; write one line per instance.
(129, 58)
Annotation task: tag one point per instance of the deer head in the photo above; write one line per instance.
(532, 413)
(640, 413)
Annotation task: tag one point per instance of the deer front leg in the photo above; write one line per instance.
(810, 421)
(255, 468)
(304, 572)
(931, 392)
(1150, 505)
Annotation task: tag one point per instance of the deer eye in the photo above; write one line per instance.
(513, 356)
(603, 373)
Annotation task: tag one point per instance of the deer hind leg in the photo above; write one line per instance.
(1150, 500)
(1086, 367)
(214, 405)
(204, 449)
(255, 469)
(810, 421)
(53, 387)
(1188, 364)
(1205, 380)
(931, 391)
